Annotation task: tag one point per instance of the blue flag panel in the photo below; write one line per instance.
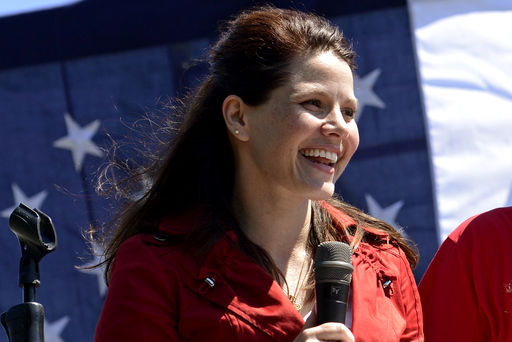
(389, 175)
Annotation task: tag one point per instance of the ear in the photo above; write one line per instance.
(234, 116)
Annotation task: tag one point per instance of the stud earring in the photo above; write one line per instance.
(237, 131)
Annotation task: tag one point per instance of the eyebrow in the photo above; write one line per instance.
(315, 90)
(354, 102)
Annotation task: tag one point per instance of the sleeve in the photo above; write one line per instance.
(411, 303)
(141, 304)
(448, 297)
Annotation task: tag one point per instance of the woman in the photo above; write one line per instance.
(220, 247)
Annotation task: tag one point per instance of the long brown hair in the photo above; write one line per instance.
(250, 59)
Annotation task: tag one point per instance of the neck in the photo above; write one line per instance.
(281, 228)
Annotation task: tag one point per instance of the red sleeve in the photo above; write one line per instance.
(412, 303)
(140, 304)
(448, 296)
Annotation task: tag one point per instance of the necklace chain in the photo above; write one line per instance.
(300, 281)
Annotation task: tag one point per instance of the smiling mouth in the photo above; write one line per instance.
(320, 156)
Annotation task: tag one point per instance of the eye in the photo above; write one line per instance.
(312, 104)
(349, 113)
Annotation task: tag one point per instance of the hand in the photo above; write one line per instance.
(326, 332)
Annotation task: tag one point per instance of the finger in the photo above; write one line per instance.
(330, 332)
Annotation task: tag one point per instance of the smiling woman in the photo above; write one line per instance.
(307, 113)
(220, 247)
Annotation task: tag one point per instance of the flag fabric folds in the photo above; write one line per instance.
(64, 98)
(465, 62)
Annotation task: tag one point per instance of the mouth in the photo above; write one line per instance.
(320, 156)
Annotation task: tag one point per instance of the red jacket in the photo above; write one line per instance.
(467, 289)
(162, 293)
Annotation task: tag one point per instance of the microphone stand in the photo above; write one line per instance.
(36, 234)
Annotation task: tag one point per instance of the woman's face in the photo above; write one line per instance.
(301, 139)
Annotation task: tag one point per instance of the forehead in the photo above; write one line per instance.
(324, 67)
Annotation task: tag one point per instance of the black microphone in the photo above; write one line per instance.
(333, 274)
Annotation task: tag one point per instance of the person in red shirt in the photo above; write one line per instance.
(220, 247)
(466, 291)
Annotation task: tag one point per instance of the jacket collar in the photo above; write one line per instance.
(342, 220)
(183, 224)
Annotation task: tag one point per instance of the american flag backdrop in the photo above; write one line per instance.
(71, 76)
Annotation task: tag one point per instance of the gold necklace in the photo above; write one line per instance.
(300, 281)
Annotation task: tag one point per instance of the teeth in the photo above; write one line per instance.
(333, 157)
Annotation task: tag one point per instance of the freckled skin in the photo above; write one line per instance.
(311, 110)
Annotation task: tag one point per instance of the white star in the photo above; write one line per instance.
(53, 330)
(387, 214)
(364, 92)
(78, 140)
(98, 271)
(35, 201)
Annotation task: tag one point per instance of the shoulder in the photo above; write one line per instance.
(150, 254)
(164, 244)
(146, 244)
(382, 257)
(383, 278)
(480, 244)
(491, 226)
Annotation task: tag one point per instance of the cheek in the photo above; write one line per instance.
(351, 144)
(354, 138)
(352, 141)
(290, 129)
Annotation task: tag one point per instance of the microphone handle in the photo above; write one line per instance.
(331, 299)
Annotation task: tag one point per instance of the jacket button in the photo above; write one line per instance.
(160, 237)
(386, 283)
(209, 281)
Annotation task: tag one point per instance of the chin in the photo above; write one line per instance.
(324, 193)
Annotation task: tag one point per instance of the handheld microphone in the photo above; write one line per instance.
(333, 274)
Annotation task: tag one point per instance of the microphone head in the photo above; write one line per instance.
(333, 251)
(333, 261)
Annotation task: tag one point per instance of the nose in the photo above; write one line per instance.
(335, 124)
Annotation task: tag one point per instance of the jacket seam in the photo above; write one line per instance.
(411, 282)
